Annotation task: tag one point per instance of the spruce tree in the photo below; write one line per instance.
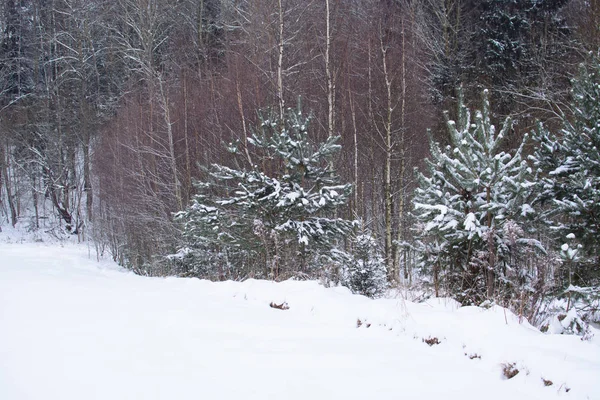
(365, 271)
(275, 218)
(568, 163)
(471, 207)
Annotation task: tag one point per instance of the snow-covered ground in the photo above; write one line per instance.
(72, 328)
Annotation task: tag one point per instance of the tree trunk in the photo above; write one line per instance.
(402, 171)
(164, 102)
(188, 162)
(243, 118)
(355, 131)
(388, 201)
(8, 186)
(436, 278)
(34, 196)
(330, 77)
(280, 65)
(490, 275)
(87, 179)
(200, 33)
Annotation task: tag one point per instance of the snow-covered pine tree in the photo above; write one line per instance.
(471, 206)
(365, 271)
(275, 218)
(568, 163)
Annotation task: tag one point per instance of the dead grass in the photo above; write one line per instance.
(431, 341)
(509, 370)
(282, 306)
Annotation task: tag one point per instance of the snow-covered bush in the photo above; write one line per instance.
(569, 323)
(568, 317)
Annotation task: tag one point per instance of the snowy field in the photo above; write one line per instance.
(72, 328)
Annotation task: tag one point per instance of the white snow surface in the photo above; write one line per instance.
(74, 328)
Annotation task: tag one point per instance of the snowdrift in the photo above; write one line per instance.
(75, 328)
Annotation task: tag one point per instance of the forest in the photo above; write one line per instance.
(448, 146)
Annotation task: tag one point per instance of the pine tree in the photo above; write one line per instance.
(508, 54)
(365, 272)
(568, 163)
(277, 217)
(504, 27)
(471, 206)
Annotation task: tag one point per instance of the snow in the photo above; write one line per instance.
(75, 328)
(470, 222)
(526, 209)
